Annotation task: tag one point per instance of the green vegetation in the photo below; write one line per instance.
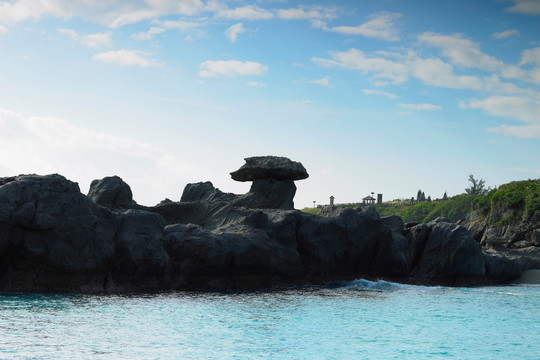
(519, 199)
(312, 211)
(455, 208)
(522, 197)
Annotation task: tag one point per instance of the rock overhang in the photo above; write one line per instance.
(270, 167)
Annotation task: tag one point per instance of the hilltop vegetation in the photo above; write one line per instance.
(454, 208)
(519, 199)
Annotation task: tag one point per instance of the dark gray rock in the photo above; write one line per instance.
(350, 242)
(268, 194)
(53, 238)
(204, 191)
(270, 167)
(449, 256)
(246, 249)
(111, 192)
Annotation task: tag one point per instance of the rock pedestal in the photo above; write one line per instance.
(273, 182)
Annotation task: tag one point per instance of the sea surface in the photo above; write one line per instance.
(353, 320)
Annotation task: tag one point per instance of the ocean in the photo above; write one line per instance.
(351, 320)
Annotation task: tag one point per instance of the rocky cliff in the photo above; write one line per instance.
(54, 238)
(506, 222)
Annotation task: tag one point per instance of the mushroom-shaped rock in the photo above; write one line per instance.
(270, 167)
(273, 182)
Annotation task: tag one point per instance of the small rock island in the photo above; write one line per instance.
(53, 238)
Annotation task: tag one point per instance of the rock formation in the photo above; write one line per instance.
(53, 238)
(273, 182)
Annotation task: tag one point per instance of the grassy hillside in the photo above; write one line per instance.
(455, 208)
(521, 197)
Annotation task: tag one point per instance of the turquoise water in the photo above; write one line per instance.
(357, 320)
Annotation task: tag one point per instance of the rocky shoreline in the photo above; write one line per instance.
(53, 238)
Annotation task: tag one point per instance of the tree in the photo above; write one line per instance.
(477, 186)
(445, 196)
(429, 198)
(419, 196)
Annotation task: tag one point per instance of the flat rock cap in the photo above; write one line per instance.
(270, 167)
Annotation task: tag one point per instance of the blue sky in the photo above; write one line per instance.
(385, 96)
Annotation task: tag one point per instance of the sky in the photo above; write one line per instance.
(387, 96)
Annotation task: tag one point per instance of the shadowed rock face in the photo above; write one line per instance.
(270, 167)
(111, 192)
(53, 238)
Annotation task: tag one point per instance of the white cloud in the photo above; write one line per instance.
(180, 24)
(355, 59)
(425, 107)
(523, 131)
(111, 13)
(45, 145)
(378, 92)
(528, 7)
(308, 12)
(435, 72)
(323, 82)
(381, 26)
(530, 56)
(521, 108)
(148, 35)
(230, 68)
(461, 51)
(505, 34)
(232, 32)
(255, 84)
(124, 58)
(3, 29)
(246, 12)
(94, 41)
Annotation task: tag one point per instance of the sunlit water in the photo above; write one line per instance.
(356, 320)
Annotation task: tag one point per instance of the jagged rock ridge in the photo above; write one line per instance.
(53, 238)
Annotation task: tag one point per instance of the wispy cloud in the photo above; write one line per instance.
(181, 25)
(460, 51)
(3, 29)
(308, 12)
(528, 7)
(523, 170)
(423, 107)
(124, 58)
(245, 12)
(148, 35)
(380, 67)
(378, 92)
(381, 26)
(232, 32)
(530, 56)
(230, 68)
(256, 84)
(522, 108)
(324, 82)
(110, 13)
(59, 146)
(94, 41)
(505, 34)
